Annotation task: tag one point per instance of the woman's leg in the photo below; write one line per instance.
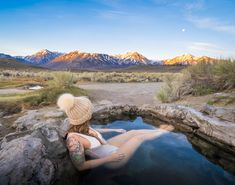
(123, 138)
(132, 145)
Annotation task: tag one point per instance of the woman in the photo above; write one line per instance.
(82, 139)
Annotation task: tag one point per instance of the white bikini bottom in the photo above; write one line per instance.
(101, 151)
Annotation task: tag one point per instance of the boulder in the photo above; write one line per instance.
(23, 160)
(48, 117)
(36, 157)
(226, 114)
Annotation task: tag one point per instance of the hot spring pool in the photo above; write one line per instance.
(168, 160)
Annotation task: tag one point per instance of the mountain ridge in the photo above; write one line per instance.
(188, 59)
(84, 60)
(41, 57)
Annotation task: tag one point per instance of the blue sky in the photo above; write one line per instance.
(156, 28)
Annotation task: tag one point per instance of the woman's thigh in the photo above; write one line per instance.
(132, 144)
(128, 150)
(121, 139)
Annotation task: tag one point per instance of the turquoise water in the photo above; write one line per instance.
(168, 160)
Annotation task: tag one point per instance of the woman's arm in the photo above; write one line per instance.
(76, 152)
(78, 159)
(110, 130)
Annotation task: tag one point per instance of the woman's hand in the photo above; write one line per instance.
(116, 157)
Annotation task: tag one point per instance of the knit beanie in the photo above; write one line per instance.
(78, 109)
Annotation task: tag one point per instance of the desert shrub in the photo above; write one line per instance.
(224, 71)
(222, 100)
(63, 79)
(122, 77)
(206, 78)
(200, 90)
(49, 95)
(169, 91)
(200, 79)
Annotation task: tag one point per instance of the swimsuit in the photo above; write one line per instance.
(93, 141)
(97, 150)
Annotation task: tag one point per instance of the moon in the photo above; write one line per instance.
(183, 30)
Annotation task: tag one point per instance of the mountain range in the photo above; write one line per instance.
(81, 60)
(188, 59)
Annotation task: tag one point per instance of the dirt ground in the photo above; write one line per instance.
(13, 91)
(138, 94)
(129, 93)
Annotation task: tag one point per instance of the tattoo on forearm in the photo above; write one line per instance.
(76, 151)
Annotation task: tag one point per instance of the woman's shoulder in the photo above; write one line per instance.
(94, 130)
(72, 134)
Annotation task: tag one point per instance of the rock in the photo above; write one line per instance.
(63, 127)
(53, 143)
(23, 161)
(105, 102)
(36, 158)
(221, 94)
(54, 114)
(212, 129)
(37, 87)
(227, 114)
(33, 119)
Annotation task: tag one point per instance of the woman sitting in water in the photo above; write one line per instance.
(81, 139)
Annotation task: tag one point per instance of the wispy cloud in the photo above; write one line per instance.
(123, 16)
(212, 24)
(208, 22)
(188, 5)
(204, 47)
(110, 3)
(112, 14)
(207, 47)
(195, 5)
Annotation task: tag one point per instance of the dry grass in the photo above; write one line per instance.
(169, 91)
(120, 77)
(54, 84)
(200, 79)
(72, 77)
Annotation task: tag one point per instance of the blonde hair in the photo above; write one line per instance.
(84, 129)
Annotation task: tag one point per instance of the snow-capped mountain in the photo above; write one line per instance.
(82, 60)
(188, 59)
(5, 56)
(132, 58)
(42, 57)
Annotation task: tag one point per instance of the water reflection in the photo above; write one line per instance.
(170, 159)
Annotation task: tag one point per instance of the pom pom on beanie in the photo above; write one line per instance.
(66, 101)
